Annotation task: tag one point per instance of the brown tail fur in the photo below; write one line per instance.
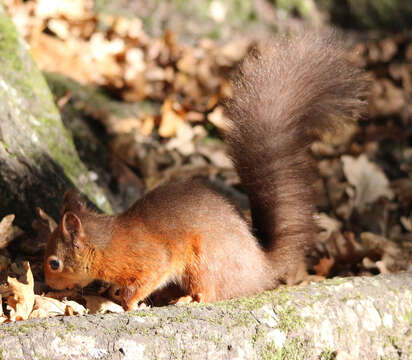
(286, 93)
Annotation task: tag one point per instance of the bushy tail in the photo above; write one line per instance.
(286, 93)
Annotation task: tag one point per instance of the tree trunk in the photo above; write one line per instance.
(362, 318)
(38, 160)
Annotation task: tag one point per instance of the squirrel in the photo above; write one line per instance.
(286, 93)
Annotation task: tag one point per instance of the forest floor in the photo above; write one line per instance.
(178, 78)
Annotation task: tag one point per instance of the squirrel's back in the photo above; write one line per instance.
(286, 93)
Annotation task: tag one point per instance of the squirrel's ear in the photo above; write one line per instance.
(72, 230)
(72, 201)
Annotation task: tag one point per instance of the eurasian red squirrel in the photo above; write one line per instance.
(286, 93)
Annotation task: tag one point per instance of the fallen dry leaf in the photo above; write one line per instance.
(182, 142)
(147, 125)
(386, 99)
(101, 305)
(377, 265)
(8, 232)
(123, 125)
(20, 304)
(74, 308)
(369, 180)
(328, 225)
(46, 219)
(395, 256)
(215, 152)
(70, 9)
(170, 121)
(407, 222)
(379, 244)
(217, 118)
(45, 306)
(324, 266)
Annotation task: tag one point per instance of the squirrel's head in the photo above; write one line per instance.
(67, 254)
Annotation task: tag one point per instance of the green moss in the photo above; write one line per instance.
(217, 340)
(259, 335)
(70, 327)
(408, 317)
(335, 281)
(327, 355)
(147, 313)
(292, 350)
(393, 341)
(60, 334)
(9, 42)
(254, 302)
(22, 328)
(395, 291)
(241, 309)
(183, 316)
(25, 328)
(288, 319)
(10, 331)
(352, 297)
(18, 62)
(41, 357)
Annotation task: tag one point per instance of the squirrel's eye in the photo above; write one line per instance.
(55, 264)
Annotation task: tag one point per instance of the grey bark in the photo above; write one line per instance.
(367, 318)
(38, 160)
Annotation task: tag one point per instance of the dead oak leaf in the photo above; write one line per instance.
(45, 307)
(74, 308)
(21, 302)
(369, 180)
(217, 118)
(328, 225)
(101, 305)
(324, 266)
(170, 121)
(8, 232)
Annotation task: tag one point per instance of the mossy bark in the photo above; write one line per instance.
(38, 160)
(367, 318)
(88, 115)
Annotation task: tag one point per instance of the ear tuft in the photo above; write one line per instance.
(72, 201)
(72, 228)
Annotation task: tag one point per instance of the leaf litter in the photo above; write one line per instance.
(364, 207)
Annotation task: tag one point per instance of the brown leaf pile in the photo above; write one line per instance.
(364, 216)
(116, 54)
(367, 173)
